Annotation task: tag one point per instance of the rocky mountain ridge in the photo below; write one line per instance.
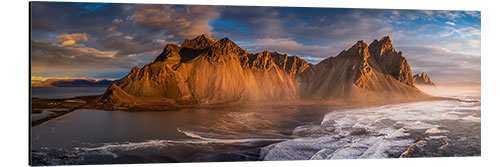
(203, 70)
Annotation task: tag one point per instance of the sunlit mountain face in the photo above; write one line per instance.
(105, 40)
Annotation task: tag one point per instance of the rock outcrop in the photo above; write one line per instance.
(203, 70)
(423, 79)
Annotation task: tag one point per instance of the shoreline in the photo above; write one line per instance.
(157, 106)
(90, 104)
(70, 104)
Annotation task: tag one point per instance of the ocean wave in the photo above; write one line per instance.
(377, 132)
(196, 135)
(48, 156)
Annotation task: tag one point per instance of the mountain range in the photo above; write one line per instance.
(209, 71)
(74, 82)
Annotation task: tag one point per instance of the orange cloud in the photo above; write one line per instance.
(94, 52)
(68, 42)
(36, 79)
(50, 57)
(71, 39)
(113, 28)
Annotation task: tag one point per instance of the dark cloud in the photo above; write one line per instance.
(257, 22)
(67, 17)
(130, 45)
(182, 21)
(313, 54)
(316, 26)
(148, 28)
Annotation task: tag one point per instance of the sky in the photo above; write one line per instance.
(106, 40)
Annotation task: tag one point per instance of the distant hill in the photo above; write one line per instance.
(74, 82)
(204, 70)
(423, 79)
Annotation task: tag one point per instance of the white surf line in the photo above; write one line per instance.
(227, 141)
(374, 148)
(421, 140)
(109, 147)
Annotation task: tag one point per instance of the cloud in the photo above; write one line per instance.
(443, 65)
(117, 36)
(61, 51)
(47, 57)
(474, 43)
(307, 32)
(450, 14)
(450, 23)
(461, 32)
(183, 21)
(117, 21)
(67, 17)
(71, 39)
(476, 14)
(427, 12)
(56, 60)
(126, 45)
(146, 29)
(41, 78)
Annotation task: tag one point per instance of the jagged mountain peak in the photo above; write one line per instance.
(226, 47)
(383, 40)
(386, 39)
(171, 46)
(200, 42)
(423, 79)
(352, 59)
(269, 52)
(422, 75)
(389, 61)
(227, 43)
(205, 36)
(360, 43)
(358, 50)
(170, 52)
(379, 47)
(224, 42)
